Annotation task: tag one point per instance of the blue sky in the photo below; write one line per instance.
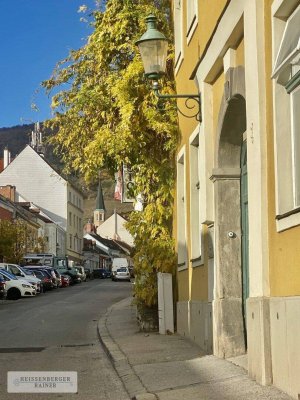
(35, 34)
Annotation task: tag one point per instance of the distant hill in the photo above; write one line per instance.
(17, 137)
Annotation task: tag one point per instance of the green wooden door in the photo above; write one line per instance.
(244, 228)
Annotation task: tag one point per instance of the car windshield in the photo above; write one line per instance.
(26, 271)
(38, 273)
(9, 275)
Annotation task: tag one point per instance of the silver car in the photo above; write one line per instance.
(120, 274)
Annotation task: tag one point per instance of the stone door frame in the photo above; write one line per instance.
(228, 323)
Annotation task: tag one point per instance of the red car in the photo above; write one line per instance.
(65, 280)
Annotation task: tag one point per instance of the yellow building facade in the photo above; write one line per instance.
(238, 198)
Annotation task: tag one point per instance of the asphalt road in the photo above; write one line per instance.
(57, 331)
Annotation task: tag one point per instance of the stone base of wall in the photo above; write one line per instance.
(285, 343)
(229, 332)
(258, 339)
(273, 337)
(194, 320)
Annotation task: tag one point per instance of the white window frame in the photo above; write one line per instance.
(191, 18)
(195, 225)
(182, 261)
(296, 160)
(287, 211)
(178, 34)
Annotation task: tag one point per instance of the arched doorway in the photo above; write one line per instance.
(231, 220)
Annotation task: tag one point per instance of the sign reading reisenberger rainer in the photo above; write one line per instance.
(42, 382)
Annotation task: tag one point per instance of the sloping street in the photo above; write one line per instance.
(58, 332)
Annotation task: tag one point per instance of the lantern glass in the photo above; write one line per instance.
(154, 56)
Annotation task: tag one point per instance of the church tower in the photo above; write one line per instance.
(99, 213)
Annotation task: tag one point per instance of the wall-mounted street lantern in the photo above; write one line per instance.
(153, 46)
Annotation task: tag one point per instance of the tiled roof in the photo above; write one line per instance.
(107, 242)
(123, 245)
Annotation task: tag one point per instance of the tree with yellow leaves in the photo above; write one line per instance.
(105, 115)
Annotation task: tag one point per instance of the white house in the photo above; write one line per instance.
(36, 180)
(114, 228)
(54, 235)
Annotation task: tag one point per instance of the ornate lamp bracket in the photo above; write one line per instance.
(192, 102)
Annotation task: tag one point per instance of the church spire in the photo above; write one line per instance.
(100, 200)
(99, 213)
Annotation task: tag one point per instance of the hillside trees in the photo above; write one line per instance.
(105, 115)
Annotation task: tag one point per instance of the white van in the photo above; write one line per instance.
(119, 262)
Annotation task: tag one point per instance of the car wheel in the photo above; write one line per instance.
(13, 294)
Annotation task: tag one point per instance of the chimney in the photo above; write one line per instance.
(115, 235)
(9, 192)
(6, 157)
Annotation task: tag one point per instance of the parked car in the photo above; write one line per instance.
(99, 273)
(120, 274)
(65, 280)
(48, 270)
(20, 273)
(45, 278)
(81, 272)
(2, 288)
(58, 277)
(72, 273)
(108, 273)
(15, 287)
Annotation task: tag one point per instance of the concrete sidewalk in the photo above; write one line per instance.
(170, 367)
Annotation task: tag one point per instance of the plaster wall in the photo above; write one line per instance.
(208, 15)
(284, 245)
(182, 282)
(199, 279)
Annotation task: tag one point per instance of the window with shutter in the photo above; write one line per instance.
(178, 33)
(195, 226)
(181, 212)
(192, 17)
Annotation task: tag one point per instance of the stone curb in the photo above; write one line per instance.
(131, 381)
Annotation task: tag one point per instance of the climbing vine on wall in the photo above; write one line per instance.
(104, 115)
